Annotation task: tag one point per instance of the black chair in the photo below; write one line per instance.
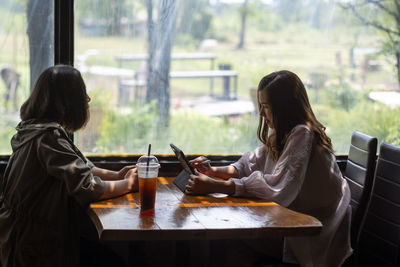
(380, 234)
(359, 173)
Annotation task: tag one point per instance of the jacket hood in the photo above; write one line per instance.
(30, 129)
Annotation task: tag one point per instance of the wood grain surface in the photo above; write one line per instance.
(184, 217)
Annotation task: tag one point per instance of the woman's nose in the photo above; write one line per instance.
(88, 98)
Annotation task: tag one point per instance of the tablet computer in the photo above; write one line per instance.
(183, 177)
(182, 159)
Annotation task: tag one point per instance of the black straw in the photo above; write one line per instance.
(148, 158)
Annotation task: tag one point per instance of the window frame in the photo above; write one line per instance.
(64, 32)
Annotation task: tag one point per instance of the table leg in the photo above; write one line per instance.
(236, 85)
(212, 79)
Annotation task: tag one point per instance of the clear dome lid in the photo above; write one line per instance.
(150, 160)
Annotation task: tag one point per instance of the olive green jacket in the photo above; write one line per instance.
(46, 181)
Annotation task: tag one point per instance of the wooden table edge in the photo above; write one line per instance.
(201, 234)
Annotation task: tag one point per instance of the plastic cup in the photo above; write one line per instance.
(147, 173)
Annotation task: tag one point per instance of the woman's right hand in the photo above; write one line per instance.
(131, 177)
(202, 164)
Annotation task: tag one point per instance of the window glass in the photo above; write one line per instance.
(26, 48)
(185, 72)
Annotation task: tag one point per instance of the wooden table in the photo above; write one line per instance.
(185, 56)
(183, 217)
(211, 74)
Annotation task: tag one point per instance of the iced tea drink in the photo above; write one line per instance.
(147, 191)
(147, 174)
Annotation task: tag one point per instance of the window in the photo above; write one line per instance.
(196, 110)
(26, 49)
(194, 84)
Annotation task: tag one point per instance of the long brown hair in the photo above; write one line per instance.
(290, 107)
(59, 96)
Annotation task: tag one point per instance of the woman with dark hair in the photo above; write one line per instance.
(294, 167)
(47, 180)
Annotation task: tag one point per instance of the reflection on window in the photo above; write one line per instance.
(26, 48)
(156, 74)
(185, 71)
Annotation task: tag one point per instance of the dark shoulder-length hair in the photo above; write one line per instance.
(290, 107)
(59, 96)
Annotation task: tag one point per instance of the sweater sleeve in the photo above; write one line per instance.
(283, 184)
(62, 162)
(250, 161)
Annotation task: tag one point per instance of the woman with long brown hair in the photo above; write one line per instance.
(295, 167)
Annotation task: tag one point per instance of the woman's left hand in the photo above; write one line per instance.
(200, 184)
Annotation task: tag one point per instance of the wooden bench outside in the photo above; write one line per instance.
(186, 56)
(107, 71)
(211, 74)
(139, 84)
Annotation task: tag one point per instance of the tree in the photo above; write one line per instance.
(160, 39)
(249, 9)
(290, 10)
(243, 16)
(386, 19)
(195, 18)
(310, 12)
(100, 11)
(40, 30)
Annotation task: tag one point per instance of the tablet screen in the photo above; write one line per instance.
(182, 159)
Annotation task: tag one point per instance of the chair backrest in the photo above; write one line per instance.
(380, 235)
(359, 173)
